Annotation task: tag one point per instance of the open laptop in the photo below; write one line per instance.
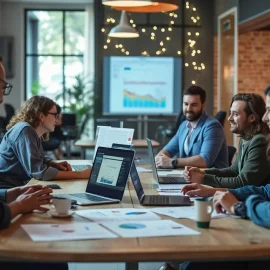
(108, 178)
(163, 179)
(155, 200)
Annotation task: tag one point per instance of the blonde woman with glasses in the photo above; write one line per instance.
(21, 153)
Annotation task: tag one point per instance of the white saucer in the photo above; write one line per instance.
(57, 215)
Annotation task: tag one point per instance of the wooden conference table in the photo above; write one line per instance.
(90, 144)
(226, 239)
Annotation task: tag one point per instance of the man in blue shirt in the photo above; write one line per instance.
(200, 140)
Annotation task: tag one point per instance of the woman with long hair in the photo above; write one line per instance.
(21, 153)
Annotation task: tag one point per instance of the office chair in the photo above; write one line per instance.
(231, 152)
(221, 116)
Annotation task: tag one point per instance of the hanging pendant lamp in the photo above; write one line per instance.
(123, 29)
(155, 6)
(126, 3)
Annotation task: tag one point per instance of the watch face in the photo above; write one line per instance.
(174, 162)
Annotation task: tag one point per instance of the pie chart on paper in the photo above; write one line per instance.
(132, 226)
(135, 213)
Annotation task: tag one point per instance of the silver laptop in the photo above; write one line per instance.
(108, 178)
(163, 179)
(80, 167)
(155, 200)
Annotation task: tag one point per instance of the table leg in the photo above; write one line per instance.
(131, 266)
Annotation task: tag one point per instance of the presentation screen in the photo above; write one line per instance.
(141, 85)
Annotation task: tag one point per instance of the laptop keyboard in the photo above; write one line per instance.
(81, 167)
(90, 197)
(172, 180)
(159, 199)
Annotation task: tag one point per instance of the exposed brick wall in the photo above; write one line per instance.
(253, 63)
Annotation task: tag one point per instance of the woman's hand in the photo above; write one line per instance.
(199, 190)
(29, 201)
(61, 166)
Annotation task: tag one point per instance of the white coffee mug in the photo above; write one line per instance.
(62, 206)
(203, 209)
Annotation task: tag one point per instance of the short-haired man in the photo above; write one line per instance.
(247, 202)
(200, 140)
(251, 166)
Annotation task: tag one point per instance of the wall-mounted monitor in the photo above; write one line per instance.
(142, 85)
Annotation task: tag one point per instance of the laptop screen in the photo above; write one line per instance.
(136, 181)
(152, 159)
(110, 172)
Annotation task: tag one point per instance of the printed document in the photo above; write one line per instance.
(62, 232)
(115, 214)
(150, 228)
(107, 136)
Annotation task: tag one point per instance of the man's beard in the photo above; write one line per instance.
(193, 116)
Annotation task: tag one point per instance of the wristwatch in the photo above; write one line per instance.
(174, 163)
(240, 209)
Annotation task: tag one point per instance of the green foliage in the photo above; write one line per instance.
(35, 88)
(79, 99)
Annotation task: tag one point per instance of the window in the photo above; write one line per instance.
(55, 45)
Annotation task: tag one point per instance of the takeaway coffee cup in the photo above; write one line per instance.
(203, 210)
(62, 206)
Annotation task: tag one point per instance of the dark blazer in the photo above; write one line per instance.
(251, 167)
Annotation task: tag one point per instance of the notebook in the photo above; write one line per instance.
(155, 200)
(163, 179)
(108, 178)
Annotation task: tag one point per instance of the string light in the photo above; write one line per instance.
(191, 42)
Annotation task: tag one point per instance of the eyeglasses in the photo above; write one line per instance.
(55, 114)
(7, 88)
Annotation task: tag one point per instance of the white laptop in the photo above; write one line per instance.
(108, 178)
